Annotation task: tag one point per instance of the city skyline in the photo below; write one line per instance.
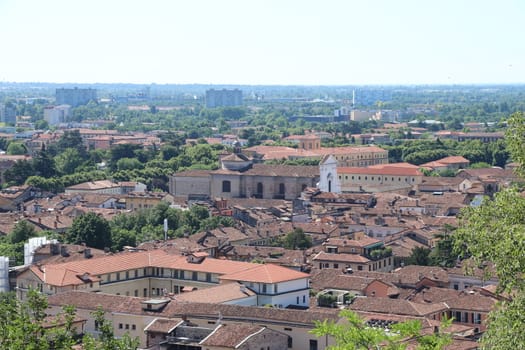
(262, 43)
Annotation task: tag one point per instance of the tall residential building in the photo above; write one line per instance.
(370, 96)
(56, 114)
(75, 97)
(223, 98)
(8, 114)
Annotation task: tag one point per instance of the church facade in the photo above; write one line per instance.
(240, 178)
(259, 181)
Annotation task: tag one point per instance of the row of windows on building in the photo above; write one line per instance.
(160, 272)
(372, 267)
(464, 317)
(227, 187)
(372, 178)
(126, 326)
(154, 292)
(361, 156)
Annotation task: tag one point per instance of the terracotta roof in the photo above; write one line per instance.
(334, 279)
(469, 300)
(403, 246)
(222, 293)
(275, 170)
(437, 180)
(302, 137)
(396, 171)
(412, 274)
(163, 325)
(363, 242)
(231, 335)
(341, 258)
(394, 165)
(395, 306)
(65, 273)
(488, 173)
(75, 252)
(8, 157)
(265, 273)
(280, 152)
(453, 160)
(174, 309)
(94, 185)
(193, 173)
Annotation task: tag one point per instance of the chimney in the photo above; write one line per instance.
(54, 249)
(63, 251)
(87, 253)
(39, 221)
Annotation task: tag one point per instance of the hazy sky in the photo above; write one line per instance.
(321, 42)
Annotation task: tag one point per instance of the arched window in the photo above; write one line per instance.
(226, 186)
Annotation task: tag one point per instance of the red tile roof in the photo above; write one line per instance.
(231, 335)
(67, 273)
(222, 293)
(362, 242)
(341, 258)
(396, 171)
(265, 273)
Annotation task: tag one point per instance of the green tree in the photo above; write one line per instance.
(297, 239)
(195, 216)
(68, 160)
(356, 334)
(107, 339)
(169, 151)
(53, 184)
(22, 231)
(129, 164)
(44, 164)
(41, 124)
(493, 234)
(22, 324)
(126, 150)
(71, 139)
(16, 148)
(15, 251)
(419, 256)
(515, 139)
(19, 173)
(91, 229)
(122, 238)
(443, 252)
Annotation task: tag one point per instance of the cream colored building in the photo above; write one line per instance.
(390, 177)
(131, 314)
(374, 178)
(258, 181)
(156, 273)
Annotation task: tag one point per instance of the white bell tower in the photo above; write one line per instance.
(329, 181)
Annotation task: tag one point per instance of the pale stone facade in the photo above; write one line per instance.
(259, 181)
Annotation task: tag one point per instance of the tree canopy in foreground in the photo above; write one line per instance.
(492, 235)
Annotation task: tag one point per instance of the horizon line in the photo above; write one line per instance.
(272, 85)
